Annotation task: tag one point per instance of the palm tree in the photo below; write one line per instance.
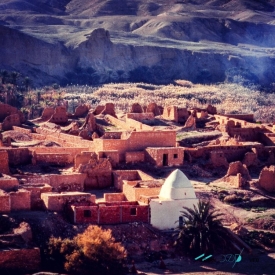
(202, 230)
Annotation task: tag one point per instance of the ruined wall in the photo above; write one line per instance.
(60, 159)
(20, 200)
(59, 115)
(120, 175)
(65, 140)
(7, 110)
(36, 191)
(140, 116)
(267, 178)
(57, 201)
(138, 125)
(5, 204)
(112, 213)
(47, 113)
(134, 193)
(20, 260)
(247, 134)
(8, 183)
(18, 155)
(112, 155)
(165, 156)
(137, 141)
(70, 182)
(9, 121)
(134, 157)
(170, 113)
(4, 163)
(82, 158)
(246, 117)
(118, 123)
(231, 152)
(218, 159)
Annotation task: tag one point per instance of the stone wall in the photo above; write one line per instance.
(18, 156)
(20, 200)
(57, 201)
(9, 121)
(8, 183)
(5, 203)
(22, 130)
(20, 260)
(112, 155)
(4, 163)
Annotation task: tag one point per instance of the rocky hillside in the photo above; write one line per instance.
(95, 41)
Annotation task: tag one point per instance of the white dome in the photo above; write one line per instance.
(177, 186)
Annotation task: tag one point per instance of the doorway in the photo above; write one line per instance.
(165, 160)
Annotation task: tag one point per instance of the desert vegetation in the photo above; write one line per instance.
(95, 251)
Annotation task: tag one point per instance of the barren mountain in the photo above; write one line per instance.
(92, 41)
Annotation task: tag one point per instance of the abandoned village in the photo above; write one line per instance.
(59, 161)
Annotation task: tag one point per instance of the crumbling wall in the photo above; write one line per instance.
(60, 159)
(47, 113)
(20, 200)
(36, 191)
(170, 113)
(81, 110)
(267, 178)
(98, 173)
(136, 108)
(8, 183)
(140, 116)
(4, 163)
(69, 182)
(7, 110)
(59, 116)
(112, 156)
(5, 204)
(57, 201)
(218, 159)
(138, 126)
(10, 121)
(133, 193)
(250, 159)
(153, 108)
(109, 109)
(18, 155)
(120, 175)
(137, 141)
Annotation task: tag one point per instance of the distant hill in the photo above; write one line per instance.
(123, 40)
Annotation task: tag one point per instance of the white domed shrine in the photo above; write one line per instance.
(176, 192)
